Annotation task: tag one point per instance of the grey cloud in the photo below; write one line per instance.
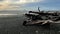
(1, 0)
(14, 0)
(15, 5)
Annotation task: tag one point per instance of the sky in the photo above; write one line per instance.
(29, 4)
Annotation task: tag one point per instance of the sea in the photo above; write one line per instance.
(11, 22)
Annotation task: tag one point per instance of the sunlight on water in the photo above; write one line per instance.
(7, 14)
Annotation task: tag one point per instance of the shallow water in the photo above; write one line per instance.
(13, 25)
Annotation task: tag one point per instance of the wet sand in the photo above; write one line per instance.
(13, 25)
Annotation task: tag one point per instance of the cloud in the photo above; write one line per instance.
(1, 0)
(14, 4)
(29, 1)
(22, 1)
(26, 1)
